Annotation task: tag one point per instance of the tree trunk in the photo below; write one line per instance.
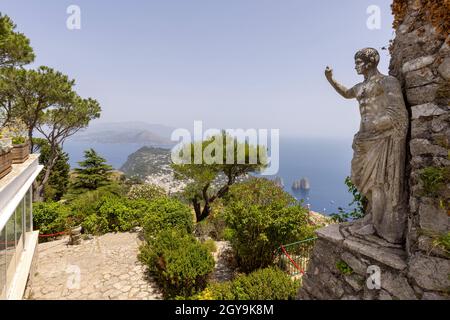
(38, 193)
(197, 209)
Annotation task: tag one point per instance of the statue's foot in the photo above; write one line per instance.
(365, 230)
(362, 227)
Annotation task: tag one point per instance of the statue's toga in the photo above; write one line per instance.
(378, 163)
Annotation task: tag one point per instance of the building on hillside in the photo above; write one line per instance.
(18, 241)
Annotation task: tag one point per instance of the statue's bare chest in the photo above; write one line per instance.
(370, 96)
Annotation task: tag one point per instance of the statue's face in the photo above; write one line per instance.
(360, 66)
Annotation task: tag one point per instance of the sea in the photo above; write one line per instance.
(324, 162)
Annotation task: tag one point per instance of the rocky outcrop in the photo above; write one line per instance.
(342, 266)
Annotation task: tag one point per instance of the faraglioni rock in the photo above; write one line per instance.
(378, 165)
(302, 184)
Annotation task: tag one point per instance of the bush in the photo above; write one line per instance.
(167, 213)
(50, 217)
(210, 245)
(180, 263)
(147, 192)
(264, 284)
(212, 227)
(228, 234)
(106, 210)
(262, 217)
(115, 214)
(344, 268)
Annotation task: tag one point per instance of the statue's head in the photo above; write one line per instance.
(366, 59)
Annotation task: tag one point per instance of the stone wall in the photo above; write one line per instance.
(421, 60)
(340, 262)
(419, 269)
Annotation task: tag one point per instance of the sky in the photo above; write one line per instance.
(229, 63)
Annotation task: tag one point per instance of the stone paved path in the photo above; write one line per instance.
(223, 270)
(103, 268)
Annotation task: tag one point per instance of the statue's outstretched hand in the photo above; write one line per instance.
(329, 73)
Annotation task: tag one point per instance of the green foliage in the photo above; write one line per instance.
(213, 227)
(180, 263)
(434, 180)
(93, 174)
(106, 210)
(264, 284)
(344, 268)
(147, 192)
(358, 205)
(220, 155)
(46, 102)
(228, 234)
(18, 140)
(435, 183)
(58, 181)
(262, 217)
(50, 217)
(211, 245)
(443, 242)
(118, 214)
(15, 49)
(166, 213)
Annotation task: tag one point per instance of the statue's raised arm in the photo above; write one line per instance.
(342, 90)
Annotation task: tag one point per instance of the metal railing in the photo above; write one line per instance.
(294, 258)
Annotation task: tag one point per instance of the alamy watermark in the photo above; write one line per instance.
(74, 277)
(73, 21)
(252, 147)
(374, 280)
(374, 20)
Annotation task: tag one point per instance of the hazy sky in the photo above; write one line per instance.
(230, 63)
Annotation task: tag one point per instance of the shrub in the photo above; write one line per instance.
(344, 268)
(443, 241)
(106, 210)
(357, 206)
(210, 245)
(262, 217)
(212, 227)
(228, 234)
(50, 217)
(264, 284)
(147, 192)
(166, 213)
(180, 263)
(119, 214)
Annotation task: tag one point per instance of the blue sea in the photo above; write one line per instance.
(325, 162)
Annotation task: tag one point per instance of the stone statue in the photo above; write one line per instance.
(378, 165)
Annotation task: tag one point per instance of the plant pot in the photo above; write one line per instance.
(20, 152)
(75, 236)
(5, 163)
(5, 157)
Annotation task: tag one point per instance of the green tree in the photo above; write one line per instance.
(94, 172)
(15, 49)
(61, 122)
(202, 174)
(44, 99)
(262, 216)
(27, 94)
(58, 181)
